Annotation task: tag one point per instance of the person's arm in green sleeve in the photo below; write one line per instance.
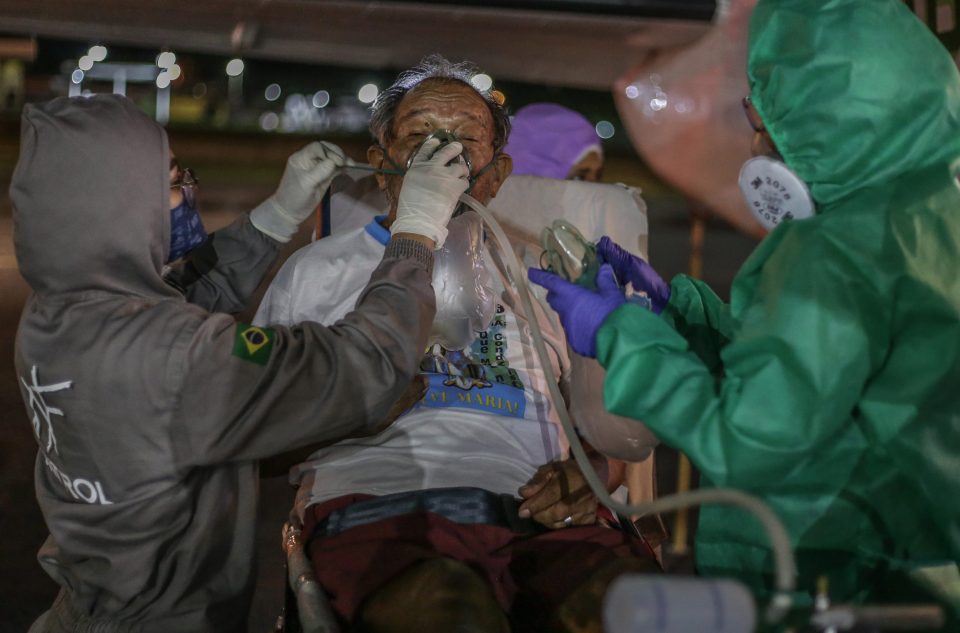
(689, 306)
(792, 374)
(700, 317)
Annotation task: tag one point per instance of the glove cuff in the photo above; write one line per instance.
(422, 227)
(270, 219)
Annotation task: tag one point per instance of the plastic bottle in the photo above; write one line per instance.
(660, 604)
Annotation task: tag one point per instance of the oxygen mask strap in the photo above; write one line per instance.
(393, 164)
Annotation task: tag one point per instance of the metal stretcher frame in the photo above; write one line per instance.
(306, 607)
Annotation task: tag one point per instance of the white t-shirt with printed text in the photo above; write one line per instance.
(486, 420)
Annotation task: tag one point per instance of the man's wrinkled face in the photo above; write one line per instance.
(442, 105)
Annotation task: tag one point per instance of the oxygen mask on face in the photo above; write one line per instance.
(568, 254)
(463, 286)
(446, 137)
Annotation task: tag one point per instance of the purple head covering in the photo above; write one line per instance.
(548, 140)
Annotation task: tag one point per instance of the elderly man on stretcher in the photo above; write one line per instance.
(465, 513)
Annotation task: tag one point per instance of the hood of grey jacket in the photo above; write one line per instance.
(92, 178)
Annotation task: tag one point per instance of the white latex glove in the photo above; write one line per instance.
(306, 178)
(430, 191)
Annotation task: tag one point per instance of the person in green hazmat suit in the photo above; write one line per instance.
(830, 384)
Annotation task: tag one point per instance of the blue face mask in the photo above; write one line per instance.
(186, 231)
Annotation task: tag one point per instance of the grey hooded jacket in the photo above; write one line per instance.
(149, 410)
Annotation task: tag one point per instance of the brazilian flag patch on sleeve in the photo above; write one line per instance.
(253, 343)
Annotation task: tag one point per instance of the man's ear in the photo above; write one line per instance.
(502, 168)
(375, 157)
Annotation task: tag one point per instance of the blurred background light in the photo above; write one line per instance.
(97, 53)
(235, 67)
(272, 93)
(321, 99)
(295, 101)
(659, 102)
(85, 63)
(367, 93)
(605, 129)
(482, 82)
(166, 59)
(77, 76)
(269, 121)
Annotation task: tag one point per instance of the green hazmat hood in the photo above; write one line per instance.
(845, 123)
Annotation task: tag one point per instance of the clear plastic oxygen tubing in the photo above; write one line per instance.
(371, 168)
(785, 568)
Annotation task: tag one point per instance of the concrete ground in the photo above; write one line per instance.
(237, 172)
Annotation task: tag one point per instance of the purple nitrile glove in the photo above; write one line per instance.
(631, 268)
(582, 310)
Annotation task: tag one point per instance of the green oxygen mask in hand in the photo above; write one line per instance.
(570, 255)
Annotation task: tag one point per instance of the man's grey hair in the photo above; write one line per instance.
(433, 67)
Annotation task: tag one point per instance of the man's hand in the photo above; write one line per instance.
(558, 490)
(306, 178)
(412, 395)
(430, 191)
